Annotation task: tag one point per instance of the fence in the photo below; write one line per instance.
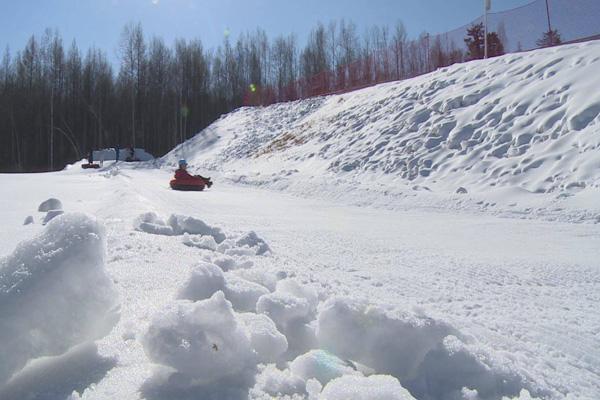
(519, 29)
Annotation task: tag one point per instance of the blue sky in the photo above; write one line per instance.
(99, 22)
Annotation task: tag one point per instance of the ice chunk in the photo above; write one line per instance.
(54, 293)
(202, 340)
(50, 204)
(322, 366)
(375, 387)
(266, 340)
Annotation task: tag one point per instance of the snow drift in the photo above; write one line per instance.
(54, 293)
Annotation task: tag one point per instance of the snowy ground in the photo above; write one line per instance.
(431, 239)
(521, 294)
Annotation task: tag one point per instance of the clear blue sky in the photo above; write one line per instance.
(99, 22)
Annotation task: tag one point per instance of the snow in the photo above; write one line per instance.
(54, 293)
(377, 387)
(51, 215)
(328, 276)
(28, 220)
(320, 365)
(268, 343)
(50, 204)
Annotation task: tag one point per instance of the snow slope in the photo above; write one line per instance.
(501, 129)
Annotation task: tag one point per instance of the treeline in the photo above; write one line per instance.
(57, 102)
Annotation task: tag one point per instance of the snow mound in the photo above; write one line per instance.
(150, 222)
(51, 215)
(424, 354)
(54, 293)
(206, 346)
(376, 387)
(50, 204)
(265, 339)
(322, 366)
(28, 220)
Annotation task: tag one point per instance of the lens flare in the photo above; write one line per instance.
(226, 32)
(252, 87)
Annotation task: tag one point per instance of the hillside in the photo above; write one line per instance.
(501, 129)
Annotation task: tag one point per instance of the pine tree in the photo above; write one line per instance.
(549, 39)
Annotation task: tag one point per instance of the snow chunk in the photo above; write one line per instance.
(151, 223)
(266, 340)
(199, 241)
(242, 293)
(292, 307)
(375, 387)
(54, 293)
(183, 224)
(252, 240)
(201, 340)
(50, 215)
(425, 354)
(394, 344)
(228, 263)
(50, 204)
(277, 383)
(206, 279)
(28, 220)
(322, 366)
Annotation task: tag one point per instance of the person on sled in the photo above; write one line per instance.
(182, 175)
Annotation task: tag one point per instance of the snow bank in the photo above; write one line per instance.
(206, 346)
(376, 387)
(424, 354)
(50, 204)
(54, 293)
(151, 223)
(265, 339)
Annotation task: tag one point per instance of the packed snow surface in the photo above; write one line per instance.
(380, 245)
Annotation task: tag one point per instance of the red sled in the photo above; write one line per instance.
(187, 186)
(90, 165)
